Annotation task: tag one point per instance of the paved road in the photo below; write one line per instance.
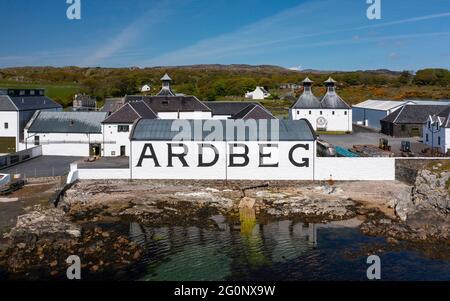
(45, 166)
(362, 137)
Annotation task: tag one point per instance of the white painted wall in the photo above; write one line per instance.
(185, 115)
(12, 118)
(340, 121)
(431, 138)
(64, 144)
(113, 140)
(354, 169)
(285, 171)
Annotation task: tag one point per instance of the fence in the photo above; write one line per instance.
(19, 157)
(40, 172)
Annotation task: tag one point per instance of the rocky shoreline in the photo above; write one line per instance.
(44, 237)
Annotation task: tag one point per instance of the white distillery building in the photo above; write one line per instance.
(259, 93)
(370, 112)
(216, 152)
(66, 133)
(329, 114)
(17, 106)
(436, 132)
(168, 105)
(118, 126)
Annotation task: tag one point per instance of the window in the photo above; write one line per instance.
(426, 138)
(345, 113)
(22, 92)
(309, 112)
(403, 127)
(6, 125)
(429, 124)
(32, 92)
(333, 113)
(320, 112)
(36, 140)
(123, 128)
(298, 112)
(439, 140)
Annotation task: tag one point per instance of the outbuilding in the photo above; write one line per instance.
(66, 133)
(370, 112)
(17, 106)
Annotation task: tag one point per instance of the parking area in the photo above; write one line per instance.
(362, 136)
(44, 166)
(106, 163)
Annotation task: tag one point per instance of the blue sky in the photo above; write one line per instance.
(312, 34)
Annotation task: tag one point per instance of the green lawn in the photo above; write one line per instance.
(62, 93)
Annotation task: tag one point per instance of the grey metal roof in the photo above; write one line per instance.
(253, 111)
(112, 104)
(307, 101)
(67, 122)
(333, 101)
(131, 112)
(6, 104)
(413, 114)
(287, 130)
(166, 91)
(166, 77)
(27, 103)
(228, 107)
(171, 103)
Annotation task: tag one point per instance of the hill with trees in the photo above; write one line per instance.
(217, 82)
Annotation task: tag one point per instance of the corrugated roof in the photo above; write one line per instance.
(161, 130)
(67, 122)
(434, 102)
(380, 105)
(413, 114)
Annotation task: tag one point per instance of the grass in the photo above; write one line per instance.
(62, 93)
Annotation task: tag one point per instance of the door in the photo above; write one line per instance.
(94, 150)
(123, 150)
(7, 145)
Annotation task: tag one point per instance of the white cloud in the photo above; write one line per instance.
(294, 27)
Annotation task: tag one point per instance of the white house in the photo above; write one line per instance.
(370, 112)
(436, 132)
(146, 89)
(66, 133)
(259, 94)
(118, 126)
(329, 114)
(17, 106)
